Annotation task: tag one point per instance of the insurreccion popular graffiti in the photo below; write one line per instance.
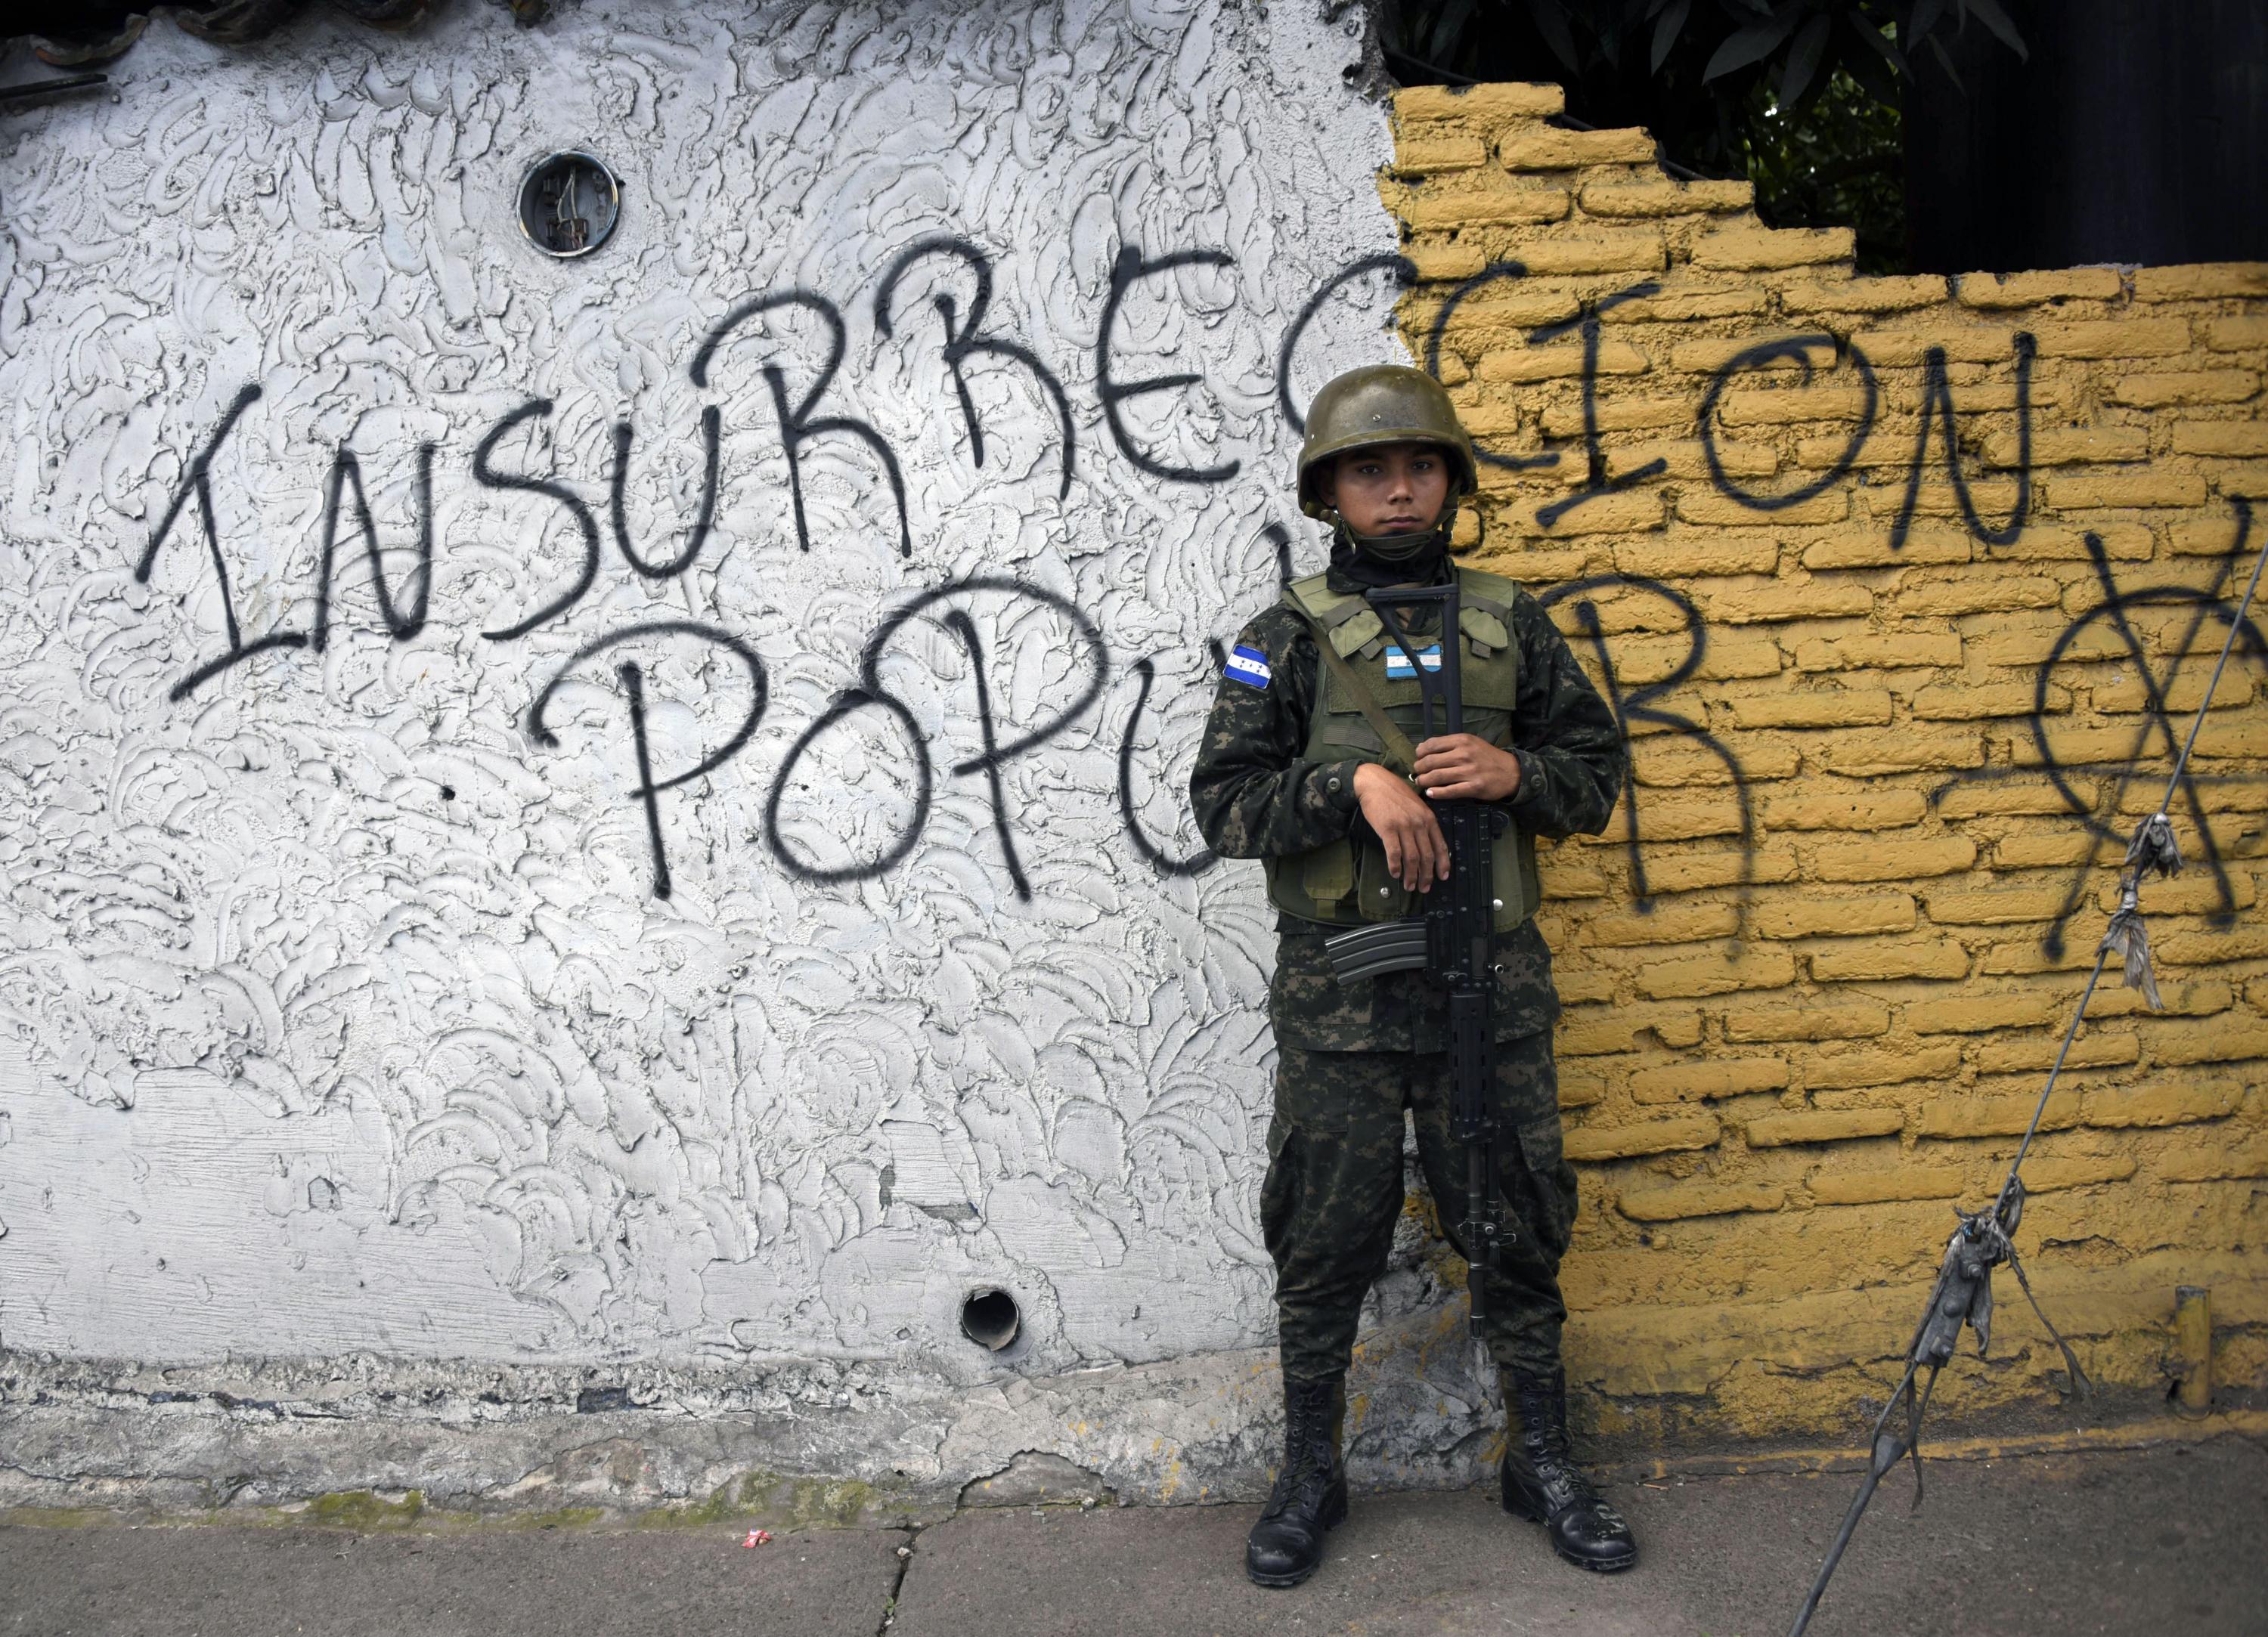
(797, 419)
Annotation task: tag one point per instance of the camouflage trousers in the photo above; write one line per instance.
(1333, 1194)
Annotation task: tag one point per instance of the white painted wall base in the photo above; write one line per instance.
(820, 1444)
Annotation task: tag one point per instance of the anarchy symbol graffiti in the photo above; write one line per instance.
(2157, 738)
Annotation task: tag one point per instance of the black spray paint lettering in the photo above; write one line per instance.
(846, 704)
(634, 684)
(870, 691)
(1937, 408)
(401, 623)
(488, 477)
(1279, 537)
(405, 617)
(1128, 271)
(198, 481)
(964, 339)
(1198, 862)
(1404, 272)
(961, 625)
(666, 568)
(1596, 481)
(2206, 606)
(798, 424)
(1938, 414)
(1636, 705)
(1495, 273)
(1796, 350)
(633, 680)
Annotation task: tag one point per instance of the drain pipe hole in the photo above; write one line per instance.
(990, 1318)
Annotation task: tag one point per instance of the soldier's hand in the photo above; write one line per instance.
(1458, 766)
(1416, 854)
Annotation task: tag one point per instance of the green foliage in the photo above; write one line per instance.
(1838, 162)
(1801, 97)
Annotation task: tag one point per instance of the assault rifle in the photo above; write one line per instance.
(1451, 940)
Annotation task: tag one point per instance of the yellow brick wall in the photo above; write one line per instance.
(1811, 1002)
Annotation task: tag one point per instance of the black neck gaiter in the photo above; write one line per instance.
(1427, 565)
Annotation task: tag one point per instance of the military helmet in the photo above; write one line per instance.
(1382, 403)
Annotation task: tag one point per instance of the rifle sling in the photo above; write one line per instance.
(1401, 754)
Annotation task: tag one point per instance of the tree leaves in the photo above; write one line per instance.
(1791, 40)
(1667, 27)
(1551, 23)
(1753, 43)
(1803, 60)
(1997, 20)
(1880, 66)
(1448, 28)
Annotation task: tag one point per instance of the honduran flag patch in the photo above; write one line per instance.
(1249, 666)
(1398, 667)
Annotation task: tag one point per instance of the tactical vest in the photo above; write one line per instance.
(1341, 883)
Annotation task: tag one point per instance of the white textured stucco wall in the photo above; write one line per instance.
(339, 1014)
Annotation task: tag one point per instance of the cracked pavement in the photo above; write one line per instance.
(2111, 1543)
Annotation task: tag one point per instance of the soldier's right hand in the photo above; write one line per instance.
(1417, 853)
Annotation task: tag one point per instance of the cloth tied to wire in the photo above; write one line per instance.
(2152, 851)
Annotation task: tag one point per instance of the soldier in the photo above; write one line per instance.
(1292, 772)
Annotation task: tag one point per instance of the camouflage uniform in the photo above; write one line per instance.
(1351, 1059)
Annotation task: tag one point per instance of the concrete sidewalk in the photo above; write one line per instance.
(2173, 1538)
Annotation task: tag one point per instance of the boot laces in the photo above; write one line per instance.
(1305, 1484)
(1307, 1471)
(1553, 1459)
(1544, 1429)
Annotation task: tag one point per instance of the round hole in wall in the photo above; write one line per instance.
(990, 1318)
(569, 203)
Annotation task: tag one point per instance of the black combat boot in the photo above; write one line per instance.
(1543, 1484)
(1310, 1494)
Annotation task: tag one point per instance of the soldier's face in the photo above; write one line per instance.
(1393, 488)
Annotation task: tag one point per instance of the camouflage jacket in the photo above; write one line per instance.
(1254, 796)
